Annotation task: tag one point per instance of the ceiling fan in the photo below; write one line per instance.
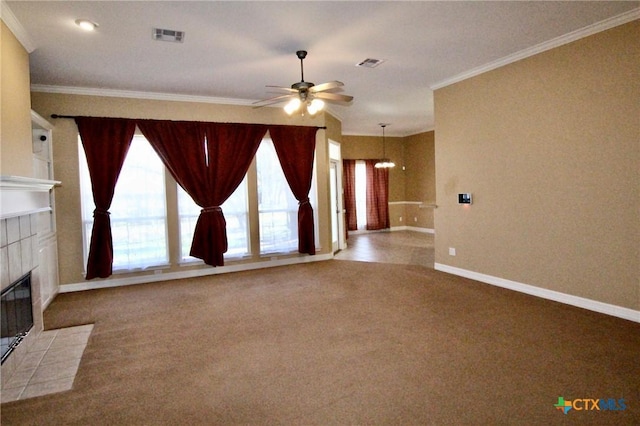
(305, 96)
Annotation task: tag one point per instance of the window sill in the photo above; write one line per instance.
(158, 267)
(197, 262)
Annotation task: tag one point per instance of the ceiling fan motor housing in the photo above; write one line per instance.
(303, 88)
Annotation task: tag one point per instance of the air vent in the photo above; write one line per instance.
(370, 63)
(168, 35)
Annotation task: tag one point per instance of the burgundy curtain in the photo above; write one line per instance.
(105, 142)
(377, 196)
(209, 160)
(349, 177)
(295, 147)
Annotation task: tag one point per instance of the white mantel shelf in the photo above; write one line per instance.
(21, 195)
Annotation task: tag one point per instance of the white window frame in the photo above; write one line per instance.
(88, 206)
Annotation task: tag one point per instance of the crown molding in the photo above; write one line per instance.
(614, 21)
(328, 109)
(16, 27)
(87, 91)
(112, 93)
(398, 135)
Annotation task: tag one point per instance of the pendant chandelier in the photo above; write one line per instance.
(385, 163)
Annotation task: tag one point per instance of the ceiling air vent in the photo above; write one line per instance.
(370, 63)
(168, 35)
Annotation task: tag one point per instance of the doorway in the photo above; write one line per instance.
(336, 206)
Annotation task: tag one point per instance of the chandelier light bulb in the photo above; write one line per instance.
(385, 164)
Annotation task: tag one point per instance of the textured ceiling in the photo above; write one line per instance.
(232, 50)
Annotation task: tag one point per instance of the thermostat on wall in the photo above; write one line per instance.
(464, 198)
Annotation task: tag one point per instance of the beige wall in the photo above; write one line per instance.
(549, 147)
(420, 179)
(334, 128)
(415, 184)
(15, 108)
(65, 140)
(370, 147)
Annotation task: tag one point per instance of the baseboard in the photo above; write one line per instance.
(193, 273)
(556, 296)
(414, 229)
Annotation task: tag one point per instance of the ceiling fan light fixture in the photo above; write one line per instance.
(306, 97)
(292, 106)
(315, 106)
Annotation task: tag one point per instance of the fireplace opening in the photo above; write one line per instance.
(17, 314)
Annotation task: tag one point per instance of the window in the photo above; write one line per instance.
(139, 218)
(235, 213)
(361, 194)
(277, 207)
(138, 210)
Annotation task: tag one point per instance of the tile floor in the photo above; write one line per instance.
(400, 247)
(50, 365)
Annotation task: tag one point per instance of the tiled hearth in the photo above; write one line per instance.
(49, 365)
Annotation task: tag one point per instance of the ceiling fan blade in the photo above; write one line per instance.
(333, 97)
(326, 86)
(271, 101)
(288, 89)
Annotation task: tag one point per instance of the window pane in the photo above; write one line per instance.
(361, 194)
(235, 213)
(138, 209)
(277, 206)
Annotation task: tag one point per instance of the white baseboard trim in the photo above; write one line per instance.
(368, 231)
(556, 296)
(414, 229)
(144, 279)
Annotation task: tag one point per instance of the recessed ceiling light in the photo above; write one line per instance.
(86, 24)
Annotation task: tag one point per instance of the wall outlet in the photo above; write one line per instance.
(415, 219)
(400, 219)
(452, 251)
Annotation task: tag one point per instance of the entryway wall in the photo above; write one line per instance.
(412, 188)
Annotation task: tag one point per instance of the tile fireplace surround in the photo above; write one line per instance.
(22, 203)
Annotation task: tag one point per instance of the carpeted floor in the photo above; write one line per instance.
(336, 342)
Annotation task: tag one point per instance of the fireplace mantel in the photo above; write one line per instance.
(23, 195)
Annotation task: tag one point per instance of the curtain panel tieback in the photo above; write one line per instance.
(103, 212)
(211, 209)
(303, 202)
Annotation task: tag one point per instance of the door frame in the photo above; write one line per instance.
(335, 158)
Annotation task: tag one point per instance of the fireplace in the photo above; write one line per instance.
(28, 251)
(17, 314)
